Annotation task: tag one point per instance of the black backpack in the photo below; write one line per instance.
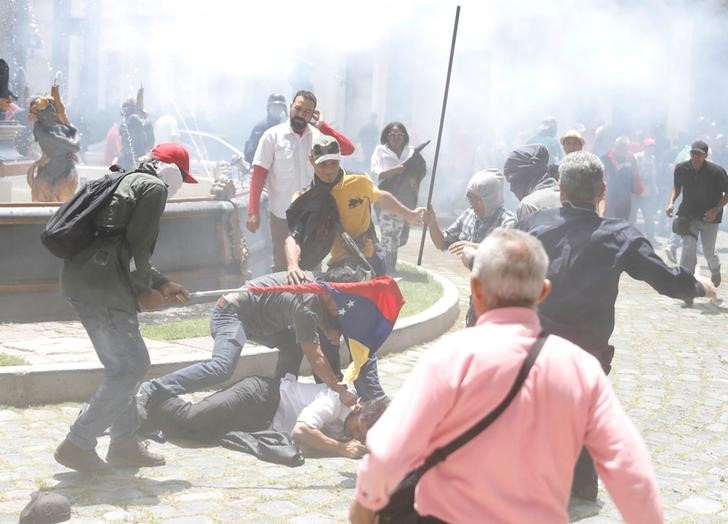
(72, 227)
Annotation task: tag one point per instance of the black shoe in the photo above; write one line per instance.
(688, 302)
(87, 461)
(715, 278)
(132, 453)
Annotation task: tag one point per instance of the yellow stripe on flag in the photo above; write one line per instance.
(359, 355)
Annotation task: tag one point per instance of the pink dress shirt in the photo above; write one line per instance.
(520, 468)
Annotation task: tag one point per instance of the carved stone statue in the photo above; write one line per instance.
(53, 178)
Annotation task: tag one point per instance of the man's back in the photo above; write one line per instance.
(587, 256)
(520, 468)
(112, 270)
(266, 315)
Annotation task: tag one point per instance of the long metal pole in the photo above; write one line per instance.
(439, 132)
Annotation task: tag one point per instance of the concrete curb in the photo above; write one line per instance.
(21, 386)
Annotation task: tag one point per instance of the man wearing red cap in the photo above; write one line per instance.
(107, 283)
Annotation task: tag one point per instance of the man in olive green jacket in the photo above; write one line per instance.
(107, 283)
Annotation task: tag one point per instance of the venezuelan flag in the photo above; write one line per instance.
(367, 312)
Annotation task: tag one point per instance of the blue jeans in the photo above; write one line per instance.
(121, 349)
(229, 336)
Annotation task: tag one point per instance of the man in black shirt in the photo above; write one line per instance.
(275, 111)
(290, 322)
(587, 255)
(704, 187)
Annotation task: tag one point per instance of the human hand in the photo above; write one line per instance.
(467, 255)
(253, 222)
(352, 449)
(152, 300)
(296, 275)
(416, 216)
(669, 210)
(710, 292)
(347, 398)
(174, 293)
(317, 119)
(456, 248)
(429, 217)
(711, 214)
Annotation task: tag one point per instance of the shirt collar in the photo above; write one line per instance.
(511, 315)
(580, 206)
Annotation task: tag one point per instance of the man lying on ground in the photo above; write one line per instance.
(313, 415)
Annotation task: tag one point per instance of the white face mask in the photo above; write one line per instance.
(171, 176)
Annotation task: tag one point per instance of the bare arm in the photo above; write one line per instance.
(293, 255)
(323, 370)
(671, 204)
(388, 202)
(436, 235)
(312, 438)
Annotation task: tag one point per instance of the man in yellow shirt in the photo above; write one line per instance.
(337, 203)
(354, 196)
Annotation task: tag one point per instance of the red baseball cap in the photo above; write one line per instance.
(177, 155)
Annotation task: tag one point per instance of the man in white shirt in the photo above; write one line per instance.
(281, 165)
(312, 414)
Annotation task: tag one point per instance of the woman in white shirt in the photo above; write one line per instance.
(387, 164)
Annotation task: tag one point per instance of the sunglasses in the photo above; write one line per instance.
(331, 148)
(395, 134)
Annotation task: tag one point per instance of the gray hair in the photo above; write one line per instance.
(511, 267)
(581, 175)
(371, 410)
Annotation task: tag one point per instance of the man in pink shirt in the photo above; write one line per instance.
(518, 469)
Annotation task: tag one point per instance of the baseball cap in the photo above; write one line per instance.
(325, 148)
(46, 508)
(175, 154)
(276, 98)
(699, 147)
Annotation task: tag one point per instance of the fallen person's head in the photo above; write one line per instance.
(363, 416)
(509, 270)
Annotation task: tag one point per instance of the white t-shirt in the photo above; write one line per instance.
(384, 159)
(315, 405)
(284, 153)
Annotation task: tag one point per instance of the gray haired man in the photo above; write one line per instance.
(588, 255)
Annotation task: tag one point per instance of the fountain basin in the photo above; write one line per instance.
(199, 246)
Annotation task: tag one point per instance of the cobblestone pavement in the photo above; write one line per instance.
(670, 372)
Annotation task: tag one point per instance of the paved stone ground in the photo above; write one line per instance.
(670, 372)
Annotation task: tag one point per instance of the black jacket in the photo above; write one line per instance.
(587, 255)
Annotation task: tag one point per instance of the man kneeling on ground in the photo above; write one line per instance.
(312, 414)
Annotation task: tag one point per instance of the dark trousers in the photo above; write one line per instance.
(248, 405)
(586, 480)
